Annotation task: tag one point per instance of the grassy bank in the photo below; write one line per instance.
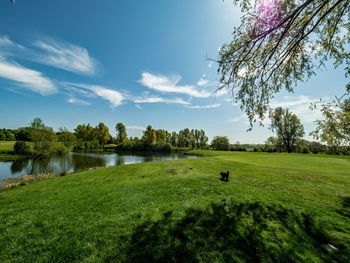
(6, 151)
(278, 207)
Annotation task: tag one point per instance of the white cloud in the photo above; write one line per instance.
(78, 101)
(66, 56)
(202, 82)
(138, 106)
(114, 97)
(134, 127)
(5, 41)
(237, 119)
(299, 105)
(161, 100)
(169, 85)
(28, 78)
(205, 106)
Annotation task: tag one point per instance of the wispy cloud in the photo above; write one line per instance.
(205, 106)
(237, 119)
(202, 82)
(27, 78)
(170, 85)
(299, 105)
(138, 106)
(66, 56)
(5, 41)
(115, 98)
(134, 127)
(78, 101)
(161, 100)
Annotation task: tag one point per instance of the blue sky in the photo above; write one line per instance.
(136, 62)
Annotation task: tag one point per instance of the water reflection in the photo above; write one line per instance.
(77, 162)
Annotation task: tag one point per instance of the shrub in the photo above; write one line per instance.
(21, 148)
(60, 149)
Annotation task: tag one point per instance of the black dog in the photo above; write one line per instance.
(224, 176)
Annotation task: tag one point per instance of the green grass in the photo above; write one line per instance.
(278, 208)
(6, 146)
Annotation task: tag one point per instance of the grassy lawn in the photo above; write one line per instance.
(277, 208)
(6, 146)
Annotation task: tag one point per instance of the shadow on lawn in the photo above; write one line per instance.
(231, 232)
(345, 211)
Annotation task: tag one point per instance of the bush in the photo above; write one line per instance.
(220, 143)
(21, 148)
(239, 149)
(60, 149)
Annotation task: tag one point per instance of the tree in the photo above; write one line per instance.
(66, 137)
(21, 148)
(102, 134)
(287, 127)
(149, 135)
(334, 128)
(203, 139)
(221, 143)
(278, 44)
(43, 137)
(121, 132)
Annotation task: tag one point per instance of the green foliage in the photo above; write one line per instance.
(67, 138)
(221, 143)
(121, 132)
(7, 135)
(43, 137)
(287, 127)
(334, 128)
(149, 135)
(21, 148)
(278, 44)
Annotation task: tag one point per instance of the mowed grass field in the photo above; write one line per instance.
(6, 146)
(275, 208)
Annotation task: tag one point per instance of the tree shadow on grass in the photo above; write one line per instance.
(232, 232)
(345, 211)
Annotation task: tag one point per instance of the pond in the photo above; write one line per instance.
(72, 162)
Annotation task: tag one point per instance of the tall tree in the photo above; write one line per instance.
(149, 135)
(334, 128)
(121, 132)
(278, 44)
(102, 134)
(287, 127)
(203, 139)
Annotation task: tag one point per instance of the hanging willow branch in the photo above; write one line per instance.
(280, 44)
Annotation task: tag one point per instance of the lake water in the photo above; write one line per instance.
(72, 162)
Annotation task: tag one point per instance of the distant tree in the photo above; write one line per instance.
(121, 132)
(316, 147)
(161, 136)
(21, 148)
(203, 139)
(85, 132)
(102, 134)
(66, 137)
(22, 134)
(149, 135)
(274, 144)
(334, 128)
(287, 127)
(187, 137)
(173, 139)
(37, 123)
(43, 137)
(221, 143)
